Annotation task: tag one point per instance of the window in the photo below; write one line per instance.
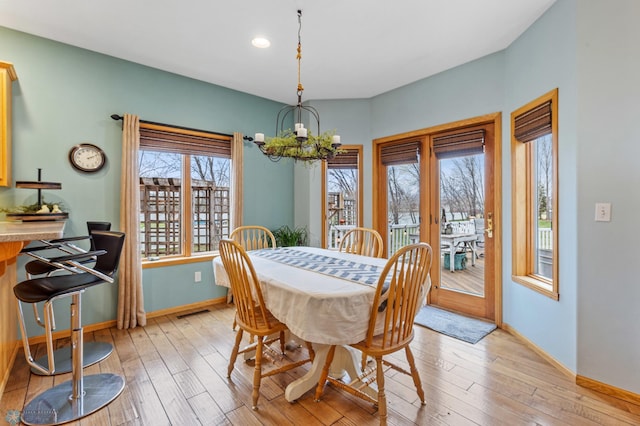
(186, 191)
(534, 157)
(402, 164)
(342, 194)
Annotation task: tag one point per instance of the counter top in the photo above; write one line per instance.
(28, 231)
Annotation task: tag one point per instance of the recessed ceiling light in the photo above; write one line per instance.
(261, 42)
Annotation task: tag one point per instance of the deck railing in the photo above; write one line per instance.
(401, 235)
(545, 239)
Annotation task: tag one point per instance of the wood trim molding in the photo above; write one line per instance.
(190, 307)
(551, 360)
(237, 165)
(440, 128)
(597, 386)
(112, 323)
(583, 381)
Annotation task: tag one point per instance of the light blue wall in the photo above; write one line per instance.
(65, 95)
(544, 58)
(350, 119)
(470, 90)
(608, 150)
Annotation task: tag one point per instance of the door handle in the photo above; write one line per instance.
(489, 228)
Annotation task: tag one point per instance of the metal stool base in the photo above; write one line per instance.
(93, 352)
(55, 406)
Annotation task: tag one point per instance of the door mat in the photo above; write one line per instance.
(467, 329)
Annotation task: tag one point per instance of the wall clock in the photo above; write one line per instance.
(87, 157)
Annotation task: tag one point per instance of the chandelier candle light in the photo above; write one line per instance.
(301, 143)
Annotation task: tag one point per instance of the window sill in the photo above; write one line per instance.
(538, 285)
(171, 261)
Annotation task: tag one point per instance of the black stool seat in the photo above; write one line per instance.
(37, 267)
(41, 289)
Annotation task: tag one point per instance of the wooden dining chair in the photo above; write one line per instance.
(401, 291)
(253, 237)
(252, 315)
(363, 241)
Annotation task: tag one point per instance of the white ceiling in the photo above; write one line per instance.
(350, 48)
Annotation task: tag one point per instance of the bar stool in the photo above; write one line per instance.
(61, 358)
(82, 395)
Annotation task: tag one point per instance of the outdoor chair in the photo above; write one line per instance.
(401, 291)
(253, 316)
(362, 241)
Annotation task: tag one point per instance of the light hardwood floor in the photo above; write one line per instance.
(175, 370)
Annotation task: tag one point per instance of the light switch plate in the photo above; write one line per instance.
(603, 212)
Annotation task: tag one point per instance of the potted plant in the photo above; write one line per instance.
(287, 237)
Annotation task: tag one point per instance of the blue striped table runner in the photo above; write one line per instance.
(360, 273)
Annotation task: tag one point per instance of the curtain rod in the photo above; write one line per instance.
(117, 117)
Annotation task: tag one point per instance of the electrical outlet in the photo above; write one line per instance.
(198, 276)
(603, 212)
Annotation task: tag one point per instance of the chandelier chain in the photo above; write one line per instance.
(301, 143)
(299, 54)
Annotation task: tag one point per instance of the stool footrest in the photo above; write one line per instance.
(93, 352)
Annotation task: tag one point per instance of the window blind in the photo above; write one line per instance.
(532, 124)
(460, 142)
(346, 160)
(182, 141)
(400, 153)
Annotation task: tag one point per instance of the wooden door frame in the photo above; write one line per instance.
(379, 197)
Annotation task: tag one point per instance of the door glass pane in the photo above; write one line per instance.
(342, 203)
(462, 224)
(543, 195)
(403, 195)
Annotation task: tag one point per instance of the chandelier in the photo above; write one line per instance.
(300, 143)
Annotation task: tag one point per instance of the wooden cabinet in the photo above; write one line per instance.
(7, 77)
(14, 236)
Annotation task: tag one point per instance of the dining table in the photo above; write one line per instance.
(323, 296)
(455, 241)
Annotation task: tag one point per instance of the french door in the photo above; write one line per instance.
(463, 230)
(456, 176)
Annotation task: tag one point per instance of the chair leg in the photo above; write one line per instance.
(312, 353)
(257, 374)
(282, 342)
(325, 372)
(234, 352)
(414, 374)
(382, 396)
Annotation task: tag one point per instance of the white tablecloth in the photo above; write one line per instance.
(316, 307)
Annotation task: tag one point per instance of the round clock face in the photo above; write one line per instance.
(87, 157)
